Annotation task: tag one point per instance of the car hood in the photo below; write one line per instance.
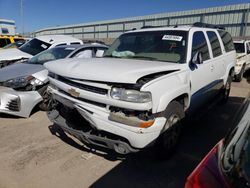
(19, 70)
(109, 69)
(13, 54)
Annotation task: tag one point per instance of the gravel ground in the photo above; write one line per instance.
(31, 156)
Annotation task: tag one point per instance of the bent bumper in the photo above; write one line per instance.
(18, 103)
(122, 138)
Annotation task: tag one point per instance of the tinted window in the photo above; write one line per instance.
(4, 42)
(200, 45)
(5, 31)
(239, 47)
(75, 43)
(227, 40)
(215, 44)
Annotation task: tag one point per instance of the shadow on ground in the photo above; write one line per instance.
(144, 170)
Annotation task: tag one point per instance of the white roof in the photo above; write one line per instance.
(51, 39)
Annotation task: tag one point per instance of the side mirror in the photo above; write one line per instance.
(248, 51)
(197, 58)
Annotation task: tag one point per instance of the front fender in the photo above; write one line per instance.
(167, 88)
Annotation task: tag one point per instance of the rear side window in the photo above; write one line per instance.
(4, 42)
(227, 40)
(215, 44)
(75, 43)
(200, 45)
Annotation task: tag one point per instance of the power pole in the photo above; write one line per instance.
(21, 13)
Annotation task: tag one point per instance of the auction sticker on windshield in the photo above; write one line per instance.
(172, 37)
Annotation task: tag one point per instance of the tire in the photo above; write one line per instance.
(172, 129)
(44, 105)
(226, 90)
(239, 76)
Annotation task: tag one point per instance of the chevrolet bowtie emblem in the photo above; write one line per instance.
(73, 93)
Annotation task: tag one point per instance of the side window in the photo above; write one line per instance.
(215, 44)
(248, 47)
(227, 40)
(4, 42)
(84, 53)
(75, 43)
(200, 45)
(61, 44)
(99, 51)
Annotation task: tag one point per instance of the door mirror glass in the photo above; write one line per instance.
(197, 58)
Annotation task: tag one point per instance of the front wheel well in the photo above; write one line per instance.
(183, 100)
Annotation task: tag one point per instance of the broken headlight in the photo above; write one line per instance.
(130, 95)
(21, 82)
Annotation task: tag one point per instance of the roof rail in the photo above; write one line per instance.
(149, 26)
(206, 25)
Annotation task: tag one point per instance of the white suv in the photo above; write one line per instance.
(148, 80)
(34, 47)
(242, 48)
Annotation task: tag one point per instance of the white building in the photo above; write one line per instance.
(7, 27)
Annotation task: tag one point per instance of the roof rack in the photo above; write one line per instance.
(149, 27)
(206, 25)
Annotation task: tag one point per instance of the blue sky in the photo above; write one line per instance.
(40, 14)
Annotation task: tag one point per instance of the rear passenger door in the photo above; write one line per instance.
(202, 75)
(218, 60)
(248, 54)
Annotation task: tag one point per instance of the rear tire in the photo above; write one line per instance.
(226, 89)
(239, 76)
(172, 129)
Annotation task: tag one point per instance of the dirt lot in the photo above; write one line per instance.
(31, 156)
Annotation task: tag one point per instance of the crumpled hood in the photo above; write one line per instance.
(18, 70)
(109, 69)
(13, 54)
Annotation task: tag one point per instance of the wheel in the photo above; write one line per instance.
(172, 129)
(44, 105)
(226, 90)
(239, 76)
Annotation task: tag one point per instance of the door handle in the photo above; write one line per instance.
(212, 67)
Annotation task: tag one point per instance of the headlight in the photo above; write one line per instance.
(19, 82)
(130, 95)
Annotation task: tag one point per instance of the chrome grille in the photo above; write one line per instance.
(84, 100)
(82, 86)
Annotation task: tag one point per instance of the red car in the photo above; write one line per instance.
(227, 165)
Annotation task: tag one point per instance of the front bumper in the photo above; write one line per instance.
(18, 103)
(120, 137)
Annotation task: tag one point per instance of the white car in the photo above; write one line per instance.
(33, 47)
(23, 85)
(242, 48)
(148, 80)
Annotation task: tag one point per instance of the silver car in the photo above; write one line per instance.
(23, 85)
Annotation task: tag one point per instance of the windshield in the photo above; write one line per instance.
(239, 47)
(169, 46)
(50, 55)
(236, 156)
(34, 46)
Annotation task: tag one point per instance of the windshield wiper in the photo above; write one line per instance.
(142, 57)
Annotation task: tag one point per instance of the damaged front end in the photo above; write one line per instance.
(18, 96)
